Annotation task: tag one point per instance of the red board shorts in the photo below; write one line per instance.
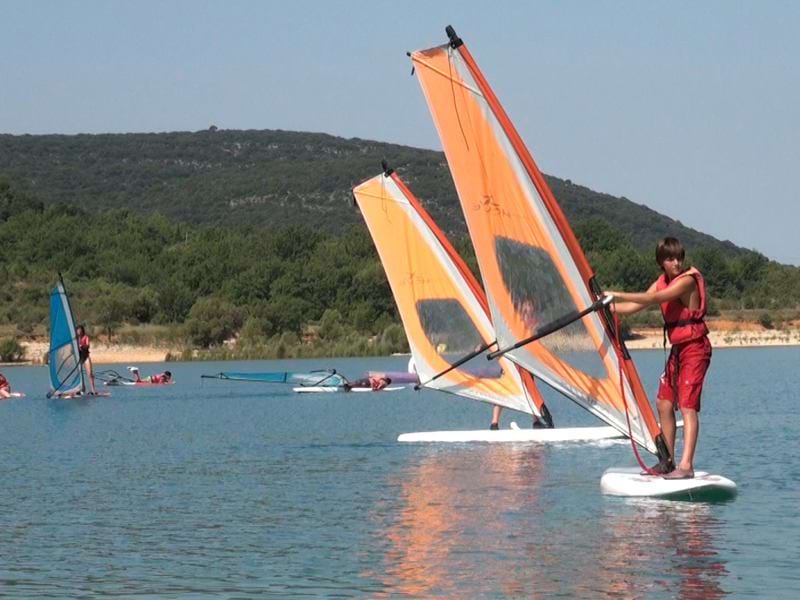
(684, 373)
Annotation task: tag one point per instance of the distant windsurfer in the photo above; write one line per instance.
(682, 296)
(85, 359)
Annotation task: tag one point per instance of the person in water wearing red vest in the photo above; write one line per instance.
(682, 296)
(377, 383)
(159, 378)
(5, 387)
(83, 354)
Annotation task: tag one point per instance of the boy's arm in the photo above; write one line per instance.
(651, 296)
(622, 307)
(627, 308)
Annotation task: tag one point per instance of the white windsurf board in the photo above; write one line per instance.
(631, 482)
(558, 434)
(80, 395)
(320, 389)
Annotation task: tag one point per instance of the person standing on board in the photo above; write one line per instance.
(495, 424)
(682, 296)
(527, 312)
(83, 354)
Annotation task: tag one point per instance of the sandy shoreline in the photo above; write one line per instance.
(744, 335)
(106, 353)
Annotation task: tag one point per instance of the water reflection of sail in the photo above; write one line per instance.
(673, 546)
(453, 530)
(489, 523)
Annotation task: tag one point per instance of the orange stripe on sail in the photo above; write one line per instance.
(490, 166)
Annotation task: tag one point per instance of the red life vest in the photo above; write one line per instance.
(681, 323)
(3, 381)
(160, 378)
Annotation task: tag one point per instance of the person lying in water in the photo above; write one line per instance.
(5, 388)
(376, 383)
(159, 378)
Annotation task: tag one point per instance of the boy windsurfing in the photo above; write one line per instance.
(681, 294)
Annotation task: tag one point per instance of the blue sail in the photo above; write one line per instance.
(66, 374)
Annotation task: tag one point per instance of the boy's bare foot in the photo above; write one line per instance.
(679, 473)
(662, 468)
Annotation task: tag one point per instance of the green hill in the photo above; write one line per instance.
(274, 178)
(213, 236)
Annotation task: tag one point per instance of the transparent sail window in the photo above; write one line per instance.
(452, 333)
(540, 296)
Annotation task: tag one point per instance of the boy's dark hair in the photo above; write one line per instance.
(669, 247)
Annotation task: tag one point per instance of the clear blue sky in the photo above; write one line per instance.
(691, 108)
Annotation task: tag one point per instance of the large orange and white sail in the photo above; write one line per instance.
(533, 269)
(441, 304)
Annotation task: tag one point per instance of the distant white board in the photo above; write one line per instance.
(565, 434)
(631, 483)
(330, 389)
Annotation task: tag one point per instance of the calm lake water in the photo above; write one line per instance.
(234, 490)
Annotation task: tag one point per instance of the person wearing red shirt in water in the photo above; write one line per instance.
(682, 296)
(376, 383)
(83, 354)
(5, 387)
(160, 378)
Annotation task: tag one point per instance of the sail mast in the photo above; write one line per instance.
(76, 341)
(534, 270)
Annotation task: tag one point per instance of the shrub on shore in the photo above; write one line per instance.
(11, 350)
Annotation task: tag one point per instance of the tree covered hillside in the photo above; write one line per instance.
(269, 286)
(273, 178)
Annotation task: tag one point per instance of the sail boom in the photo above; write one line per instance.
(550, 328)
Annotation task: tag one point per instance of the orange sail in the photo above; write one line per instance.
(534, 271)
(442, 305)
